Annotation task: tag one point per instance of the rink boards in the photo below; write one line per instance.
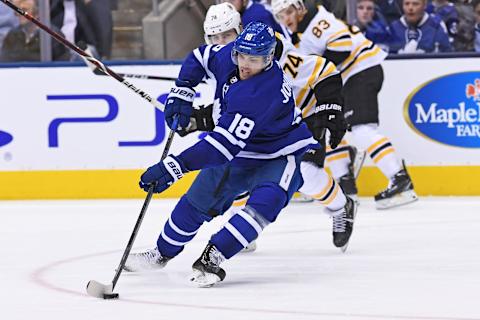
(68, 134)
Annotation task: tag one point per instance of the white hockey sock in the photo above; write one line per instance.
(378, 147)
(321, 186)
(338, 160)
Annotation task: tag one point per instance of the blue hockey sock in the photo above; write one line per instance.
(181, 228)
(245, 225)
(242, 228)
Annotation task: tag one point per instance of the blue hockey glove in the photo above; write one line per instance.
(164, 173)
(179, 102)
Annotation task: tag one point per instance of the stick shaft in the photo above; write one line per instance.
(85, 55)
(143, 211)
(146, 77)
(98, 72)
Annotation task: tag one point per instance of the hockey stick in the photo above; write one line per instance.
(97, 71)
(358, 163)
(88, 58)
(99, 290)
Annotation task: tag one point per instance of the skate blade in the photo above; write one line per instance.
(203, 280)
(398, 200)
(252, 246)
(143, 268)
(354, 197)
(355, 208)
(301, 198)
(131, 269)
(126, 269)
(358, 162)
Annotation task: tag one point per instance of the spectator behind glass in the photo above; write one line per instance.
(391, 9)
(447, 11)
(23, 42)
(464, 41)
(8, 20)
(100, 16)
(372, 23)
(418, 32)
(70, 16)
(337, 7)
(476, 8)
(251, 11)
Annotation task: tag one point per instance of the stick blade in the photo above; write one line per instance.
(98, 290)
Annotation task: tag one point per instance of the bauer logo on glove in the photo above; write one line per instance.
(328, 106)
(174, 169)
(163, 174)
(179, 104)
(186, 93)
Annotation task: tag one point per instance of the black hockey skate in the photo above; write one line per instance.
(343, 220)
(145, 261)
(348, 184)
(399, 192)
(206, 270)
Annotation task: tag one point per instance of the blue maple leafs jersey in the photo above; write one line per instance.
(258, 118)
(430, 33)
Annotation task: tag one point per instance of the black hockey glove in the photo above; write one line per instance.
(328, 116)
(200, 120)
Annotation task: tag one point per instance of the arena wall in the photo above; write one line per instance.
(68, 134)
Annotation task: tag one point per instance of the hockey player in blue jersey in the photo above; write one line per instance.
(315, 82)
(256, 146)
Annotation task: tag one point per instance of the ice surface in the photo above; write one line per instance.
(420, 261)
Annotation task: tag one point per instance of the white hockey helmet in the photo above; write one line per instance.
(220, 18)
(279, 5)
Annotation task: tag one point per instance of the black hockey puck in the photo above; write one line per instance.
(110, 296)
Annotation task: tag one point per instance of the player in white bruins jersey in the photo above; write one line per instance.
(317, 87)
(317, 31)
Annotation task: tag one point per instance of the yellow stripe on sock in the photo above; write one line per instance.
(332, 196)
(240, 202)
(383, 154)
(339, 156)
(322, 194)
(376, 144)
